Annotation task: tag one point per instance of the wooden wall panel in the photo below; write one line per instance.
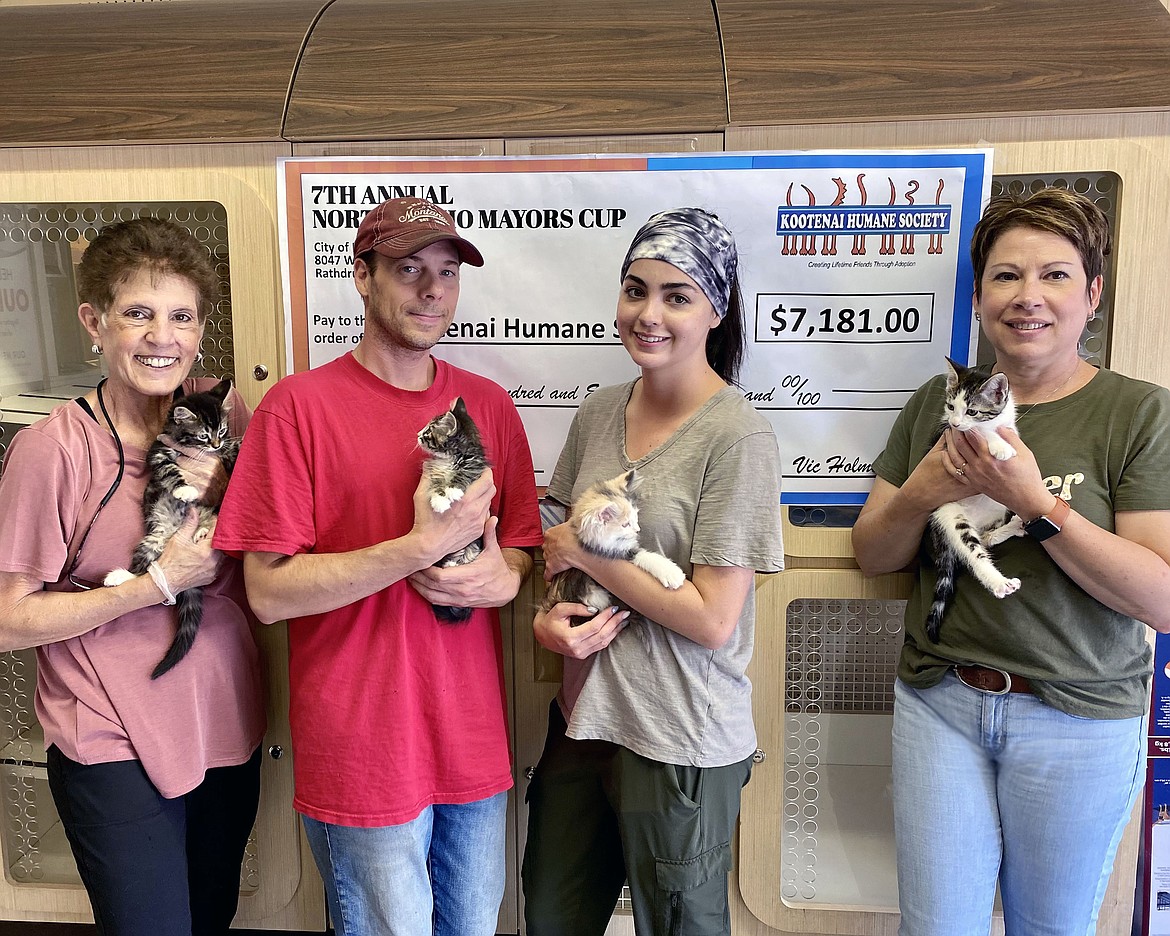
(402, 148)
(377, 69)
(148, 72)
(823, 61)
(567, 146)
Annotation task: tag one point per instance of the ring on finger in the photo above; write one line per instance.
(959, 472)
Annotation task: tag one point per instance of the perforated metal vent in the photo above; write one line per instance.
(56, 234)
(841, 660)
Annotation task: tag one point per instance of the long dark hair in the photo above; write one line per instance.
(727, 341)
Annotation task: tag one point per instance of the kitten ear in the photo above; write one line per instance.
(995, 388)
(953, 370)
(607, 514)
(458, 407)
(221, 389)
(631, 480)
(593, 517)
(182, 414)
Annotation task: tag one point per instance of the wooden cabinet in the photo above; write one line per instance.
(40, 880)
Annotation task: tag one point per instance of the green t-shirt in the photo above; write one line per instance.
(1105, 448)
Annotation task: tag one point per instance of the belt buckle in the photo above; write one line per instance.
(1007, 679)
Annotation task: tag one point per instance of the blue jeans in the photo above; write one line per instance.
(441, 873)
(1005, 788)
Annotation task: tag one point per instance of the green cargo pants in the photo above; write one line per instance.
(600, 815)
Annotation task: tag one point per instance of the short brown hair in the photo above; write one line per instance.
(124, 248)
(1071, 216)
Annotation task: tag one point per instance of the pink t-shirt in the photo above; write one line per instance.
(391, 710)
(95, 698)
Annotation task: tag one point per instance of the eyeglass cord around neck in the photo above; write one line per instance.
(110, 493)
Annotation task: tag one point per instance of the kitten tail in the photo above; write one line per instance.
(451, 615)
(944, 587)
(189, 604)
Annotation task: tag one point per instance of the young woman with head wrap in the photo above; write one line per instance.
(650, 738)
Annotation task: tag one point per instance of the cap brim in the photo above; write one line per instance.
(404, 247)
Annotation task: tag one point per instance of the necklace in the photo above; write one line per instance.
(1051, 393)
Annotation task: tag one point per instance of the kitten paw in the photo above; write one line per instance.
(1000, 449)
(200, 534)
(1014, 527)
(672, 577)
(1009, 587)
(662, 568)
(441, 503)
(117, 577)
(186, 493)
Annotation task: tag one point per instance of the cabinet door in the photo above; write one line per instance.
(816, 831)
(816, 848)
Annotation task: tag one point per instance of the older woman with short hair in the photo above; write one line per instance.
(156, 781)
(1019, 735)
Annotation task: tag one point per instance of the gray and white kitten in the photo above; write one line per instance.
(457, 459)
(197, 426)
(962, 532)
(605, 519)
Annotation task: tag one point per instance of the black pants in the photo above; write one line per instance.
(154, 866)
(599, 815)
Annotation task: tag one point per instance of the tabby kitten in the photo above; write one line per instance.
(605, 519)
(457, 459)
(196, 428)
(963, 531)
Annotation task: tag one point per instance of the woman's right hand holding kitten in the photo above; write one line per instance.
(561, 550)
(936, 480)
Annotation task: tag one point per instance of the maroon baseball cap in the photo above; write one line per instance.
(401, 226)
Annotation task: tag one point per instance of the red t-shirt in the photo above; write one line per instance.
(391, 710)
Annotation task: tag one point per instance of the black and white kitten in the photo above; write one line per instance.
(963, 531)
(605, 519)
(457, 459)
(196, 428)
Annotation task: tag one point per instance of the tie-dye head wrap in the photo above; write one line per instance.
(694, 241)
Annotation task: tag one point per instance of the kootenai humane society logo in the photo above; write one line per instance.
(800, 225)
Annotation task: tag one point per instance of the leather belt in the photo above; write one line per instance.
(993, 681)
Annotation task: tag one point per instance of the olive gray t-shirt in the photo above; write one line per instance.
(710, 495)
(1105, 448)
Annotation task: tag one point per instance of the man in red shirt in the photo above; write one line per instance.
(399, 724)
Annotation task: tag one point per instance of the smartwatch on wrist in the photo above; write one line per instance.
(1048, 525)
